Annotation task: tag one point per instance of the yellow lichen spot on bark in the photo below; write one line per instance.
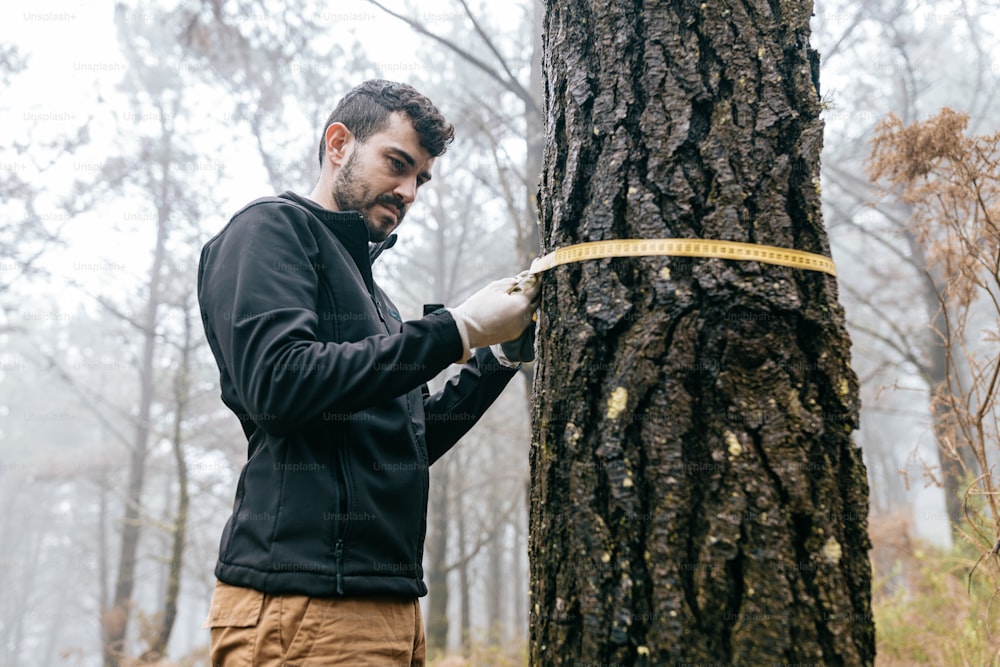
(792, 402)
(627, 482)
(642, 650)
(763, 517)
(605, 557)
(832, 550)
(617, 402)
(750, 591)
(665, 273)
(760, 52)
(845, 386)
(733, 444)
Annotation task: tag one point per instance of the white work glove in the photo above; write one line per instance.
(496, 314)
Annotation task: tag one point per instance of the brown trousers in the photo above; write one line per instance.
(253, 629)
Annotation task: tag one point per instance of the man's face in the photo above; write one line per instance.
(380, 177)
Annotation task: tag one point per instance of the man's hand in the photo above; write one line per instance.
(521, 349)
(495, 315)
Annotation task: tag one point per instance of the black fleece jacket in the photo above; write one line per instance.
(329, 385)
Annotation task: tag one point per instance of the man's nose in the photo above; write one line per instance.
(406, 189)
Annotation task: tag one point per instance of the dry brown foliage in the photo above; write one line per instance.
(952, 183)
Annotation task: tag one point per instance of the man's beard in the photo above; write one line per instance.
(353, 195)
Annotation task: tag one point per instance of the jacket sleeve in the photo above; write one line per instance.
(452, 411)
(261, 322)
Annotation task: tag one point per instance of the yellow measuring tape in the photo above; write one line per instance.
(750, 252)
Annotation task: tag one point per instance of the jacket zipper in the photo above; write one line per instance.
(378, 309)
(338, 550)
(339, 555)
(425, 484)
(344, 522)
(421, 454)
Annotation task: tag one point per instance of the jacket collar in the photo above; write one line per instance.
(350, 229)
(375, 249)
(348, 226)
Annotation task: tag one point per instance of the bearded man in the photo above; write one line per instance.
(320, 561)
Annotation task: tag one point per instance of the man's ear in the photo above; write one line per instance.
(338, 140)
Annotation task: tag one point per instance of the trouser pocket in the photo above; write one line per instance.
(233, 619)
(300, 619)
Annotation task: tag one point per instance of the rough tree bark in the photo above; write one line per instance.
(696, 496)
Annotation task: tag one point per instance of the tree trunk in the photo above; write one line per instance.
(158, 647)
(437, 561)
(465, 618)
(957, 460)
(954, 476)
(696, 496)
(114, 620)
(497, 517)
(517, 555)
(103, 555)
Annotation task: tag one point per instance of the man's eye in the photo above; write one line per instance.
(398, 165)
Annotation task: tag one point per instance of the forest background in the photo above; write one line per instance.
(132, 131)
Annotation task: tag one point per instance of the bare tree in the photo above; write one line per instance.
(26, 232)
(521, 199)
(908, 57)
(471, 49)
(156, 85)
(263, 63)
(181, 396)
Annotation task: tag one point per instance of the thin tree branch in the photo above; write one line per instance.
(510, 84)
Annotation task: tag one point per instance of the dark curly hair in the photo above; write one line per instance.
(367, 108)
